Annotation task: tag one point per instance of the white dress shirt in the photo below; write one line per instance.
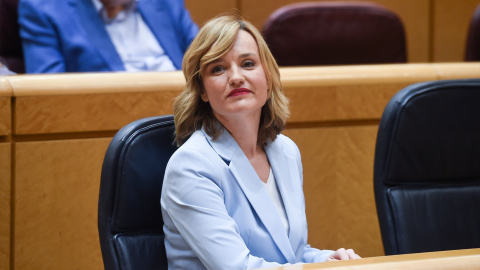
(134, 41)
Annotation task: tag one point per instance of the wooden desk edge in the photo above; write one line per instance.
(125, 82)
(452, 259)
(5, 87)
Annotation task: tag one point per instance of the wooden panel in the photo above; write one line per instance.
(338, 185)
(451, 22)
(347, 93)
(202, 11)
(333, 103)
(56, 202)
(91, 102)
(5, 180)
(84, 113)
(5, 116)
(415, 15)
(5, 106)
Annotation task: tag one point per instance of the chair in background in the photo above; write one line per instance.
(11, 53)
(130, 221)
(335, 33)
(427, 168)
(472, 51)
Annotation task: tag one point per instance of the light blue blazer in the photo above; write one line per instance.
(70, 36)
(218, 214)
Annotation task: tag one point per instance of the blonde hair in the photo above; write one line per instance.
(212, 42)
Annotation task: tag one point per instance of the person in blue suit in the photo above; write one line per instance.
(232, 195)
(104, 35)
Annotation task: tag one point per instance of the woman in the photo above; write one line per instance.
(232, 196)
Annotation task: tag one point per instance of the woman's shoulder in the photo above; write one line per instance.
(286, 144)
(192, 154)
(197, 149)
(284, 139)
(195, 160)
(197, 143)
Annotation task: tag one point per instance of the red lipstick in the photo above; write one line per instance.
(238, 92)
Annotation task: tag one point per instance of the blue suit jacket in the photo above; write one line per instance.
(69, 35)
(218, 214)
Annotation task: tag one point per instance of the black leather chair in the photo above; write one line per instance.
(472, 50)
(130, 221)
(335, 33)
(427, 168)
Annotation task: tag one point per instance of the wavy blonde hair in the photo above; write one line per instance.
(212, 42)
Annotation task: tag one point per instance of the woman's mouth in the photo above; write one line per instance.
(238, 92)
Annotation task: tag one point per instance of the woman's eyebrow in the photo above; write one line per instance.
(216, 61)
(245, 55)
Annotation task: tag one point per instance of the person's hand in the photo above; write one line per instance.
(343, 254)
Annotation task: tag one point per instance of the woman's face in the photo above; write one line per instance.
(235, 84)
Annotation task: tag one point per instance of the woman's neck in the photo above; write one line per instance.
(244, 130)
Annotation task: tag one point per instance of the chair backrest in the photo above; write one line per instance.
(130, 221)
(472, 50)
(335, 33)
(427, 168)
(11, 53)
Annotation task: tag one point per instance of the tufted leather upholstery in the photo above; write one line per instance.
(427, 168)
(472, 51)
(11, 54)
(335, 33)
(130, 221)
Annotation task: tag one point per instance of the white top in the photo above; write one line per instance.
(272, 190)
(134, 41)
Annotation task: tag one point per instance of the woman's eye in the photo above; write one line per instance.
(217, 69)
(248, 64)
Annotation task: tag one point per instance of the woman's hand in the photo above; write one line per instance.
(342, 254)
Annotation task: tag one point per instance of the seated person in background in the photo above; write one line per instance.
(232, 195)
(104, 35)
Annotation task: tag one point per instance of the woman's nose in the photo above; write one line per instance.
(236, 76)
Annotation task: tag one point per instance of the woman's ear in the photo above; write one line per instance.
(204, 96)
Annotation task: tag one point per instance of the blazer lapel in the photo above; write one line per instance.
(254, 190)
(97, 33)
(285, 169)
(157, 18)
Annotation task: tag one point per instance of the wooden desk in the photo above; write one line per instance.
(443, 260)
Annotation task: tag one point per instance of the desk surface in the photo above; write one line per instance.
(441, 260)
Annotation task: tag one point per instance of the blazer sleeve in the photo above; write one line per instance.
(192, 198)
(40, 44)
(313, 255)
